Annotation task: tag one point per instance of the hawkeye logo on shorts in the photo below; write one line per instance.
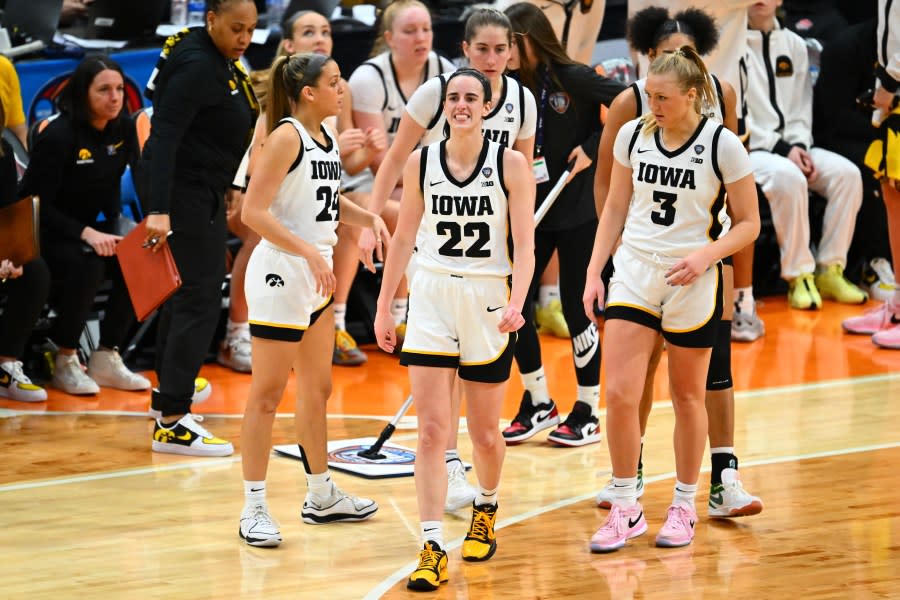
(84, 157)
(273, 280)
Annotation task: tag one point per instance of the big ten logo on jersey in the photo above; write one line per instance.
(668, 176)
(496, 135)
(326, 169)
(470, 206)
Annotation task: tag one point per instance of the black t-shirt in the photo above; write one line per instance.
(76, 171)
(201, 119)
(572, 118)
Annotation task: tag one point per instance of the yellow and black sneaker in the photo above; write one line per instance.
(432, 569)
(481, 543)
(187, 436)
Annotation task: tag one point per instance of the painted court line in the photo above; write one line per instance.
(403, 572)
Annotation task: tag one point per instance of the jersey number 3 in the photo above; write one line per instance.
(480, 231)
(329, 196)
(666, 213)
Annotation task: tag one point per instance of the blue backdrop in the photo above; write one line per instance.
(41, 80)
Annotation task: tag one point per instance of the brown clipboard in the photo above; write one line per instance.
(151, 277)
(19, 231)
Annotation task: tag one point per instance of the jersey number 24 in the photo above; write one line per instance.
(329, 196)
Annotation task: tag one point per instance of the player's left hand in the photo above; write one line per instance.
(512, 319)
(582, 162)
(687, 270)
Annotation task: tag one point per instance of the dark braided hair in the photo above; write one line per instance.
(648, 28)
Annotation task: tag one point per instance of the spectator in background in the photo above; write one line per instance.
(25, 288)
(73, 10)
(204, 110)
(839, 125)
(787, 165)
(11, 101)
(76, 169)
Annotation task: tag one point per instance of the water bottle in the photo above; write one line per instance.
(179, 12)
(196, 13)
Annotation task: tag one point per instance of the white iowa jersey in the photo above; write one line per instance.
(387, 87)
(678, 193)
(716, 112)
(307, 200)
(466, 223)
(509, 114)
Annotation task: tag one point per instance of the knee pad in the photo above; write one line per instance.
(718, 377)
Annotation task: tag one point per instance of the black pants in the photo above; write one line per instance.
(188, 320)
(575, 247)
(78, 274)
(25, 297)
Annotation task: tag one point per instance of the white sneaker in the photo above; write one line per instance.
(202, 392)
(746, 327)
(187, 436)
(15, 385)
(605, 496)
(730, 499)
(69, 376)
(106, 368)
(339, 506)
(234, 352)
(459, 492)
(878, 279)
(257, 528)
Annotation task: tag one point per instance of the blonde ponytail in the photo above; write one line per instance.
(690, 72)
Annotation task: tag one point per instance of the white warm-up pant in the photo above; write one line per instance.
(839, 182)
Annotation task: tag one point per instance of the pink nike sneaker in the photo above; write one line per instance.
(621, 525)
(678, 530)
(872, 321)
(888, 338)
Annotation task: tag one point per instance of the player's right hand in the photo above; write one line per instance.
(594, 298)
(322, 273)
(385, 330)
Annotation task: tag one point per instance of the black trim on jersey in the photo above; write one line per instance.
(297, 160)
(383, 82)
(471, 177)
(715, 227)
(715, 151)
(657, 136)
(720, 94)
(498, 104)
(705, 335)
(440, 107)
(423, 163)
(496, 371)
(637, 99)
(500, 149)
(428, 360)
(771, 77)
(425, 76)
(330, 145)
(633, 315)
(521, 106)
(634, 137)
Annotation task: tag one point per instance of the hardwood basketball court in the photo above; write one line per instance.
(88, 509)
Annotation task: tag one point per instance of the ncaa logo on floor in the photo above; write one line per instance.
(392, 456)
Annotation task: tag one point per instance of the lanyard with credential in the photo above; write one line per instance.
(539, 133)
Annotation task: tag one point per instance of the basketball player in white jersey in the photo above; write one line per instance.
(381, 87)
(673, 167)
(471, 194)
(511, 123)
(654, 32)
(294, 205)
